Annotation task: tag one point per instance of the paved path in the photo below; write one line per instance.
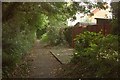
(63, 54)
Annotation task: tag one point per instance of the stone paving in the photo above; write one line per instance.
(63, 54)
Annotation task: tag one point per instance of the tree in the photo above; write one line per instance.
(116, 17)
(22, 20)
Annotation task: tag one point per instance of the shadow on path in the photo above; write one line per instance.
(43, 64)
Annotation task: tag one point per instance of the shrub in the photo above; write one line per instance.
(53, 36)
(99, 52)
(17, 39)
(68, 35)
(44, 38)
(40, 32)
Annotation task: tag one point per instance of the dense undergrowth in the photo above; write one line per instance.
(54, 36)
(18, 38)
(95, 55)
(68, 35)
(23, 24)
(19, 32)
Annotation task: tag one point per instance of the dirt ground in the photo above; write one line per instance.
(38, 63)
(43, 64)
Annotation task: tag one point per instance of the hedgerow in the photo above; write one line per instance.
(98, 53)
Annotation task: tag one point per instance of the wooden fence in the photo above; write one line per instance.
(103, 25)
(92, 28)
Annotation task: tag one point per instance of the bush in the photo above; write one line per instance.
(18, 37)
(40, 32)
(99, 53)
(68, 35)
(53, 36)
(44, 38)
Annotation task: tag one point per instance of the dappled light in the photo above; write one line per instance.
(60, 40)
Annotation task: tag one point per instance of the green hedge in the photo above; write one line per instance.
(98, 53)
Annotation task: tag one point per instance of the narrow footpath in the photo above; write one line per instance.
(43, 64)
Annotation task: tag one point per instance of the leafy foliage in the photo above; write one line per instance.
(18, 38)
(99, 53)
(54, 36)
(68, 36)
(21, 23)
(115, 22)
(22, 20)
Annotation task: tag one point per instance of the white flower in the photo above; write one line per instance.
(76, 53)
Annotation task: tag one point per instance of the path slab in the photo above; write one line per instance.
(64, 55)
